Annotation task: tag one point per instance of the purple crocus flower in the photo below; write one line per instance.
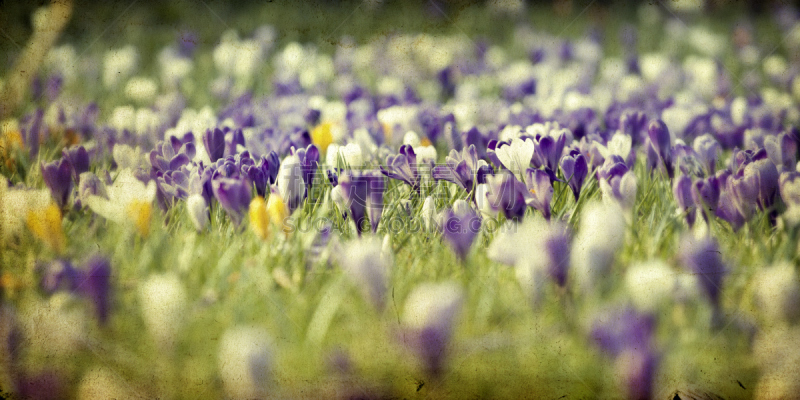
(165, 158)
(58, 178)
(702, 258)
(428, 316)
(682, 190)
(686, 161)
(309, 163)
(705, 195)
(727, 208)
(96, 285)
(756, 183)
(377, 185)
(507, 194)
(626, 335)
(459, 229)
(473, 137)
(538, 184)
(661, 141)
(782, 150)
(363, 194)
(707, 149)
(263, 174)
(233, 195)
(464, 169)
(404, 167)
(233, 139)
(78, 159)
(575, 168)
(547, 151)
(214, 141)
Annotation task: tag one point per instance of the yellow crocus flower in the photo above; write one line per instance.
(321, 136)
(259, 218)
(46, 225)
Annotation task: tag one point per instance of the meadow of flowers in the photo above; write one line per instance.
(409, 215)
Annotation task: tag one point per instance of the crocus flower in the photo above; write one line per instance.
(363, 195)
(363, 263)
(707, 149)
(505, 193)
(234, 139)
(214, 142)
(755, 184)
(459, 229)
(259, 219)
(626, 336)
(621, 188)
(463, 169)
(350, 154)
(428, 316)
(78, 159)
(538, 184)
(96, 285)
(548, 148)
(661, 141)
(129, 202)
(516, 156)
(575, 168)
(682, 190)
(58, 178)
(245, 360)
(701, 256)
(404, 167)
(233, 195)
(46, 225)
(782, 150)
(198, 211)
(705, 195)
(728, 209)
(290, 182)
(90, 185)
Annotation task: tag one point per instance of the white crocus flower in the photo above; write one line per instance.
(351, 154)
(290, 182)
(516, 156)
(129, 201)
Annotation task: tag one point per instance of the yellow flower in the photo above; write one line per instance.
(46, 225)
(424, 142)
(278, 211)
(259, 218)
(141, 213)
(321, 136)
(129, 202)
